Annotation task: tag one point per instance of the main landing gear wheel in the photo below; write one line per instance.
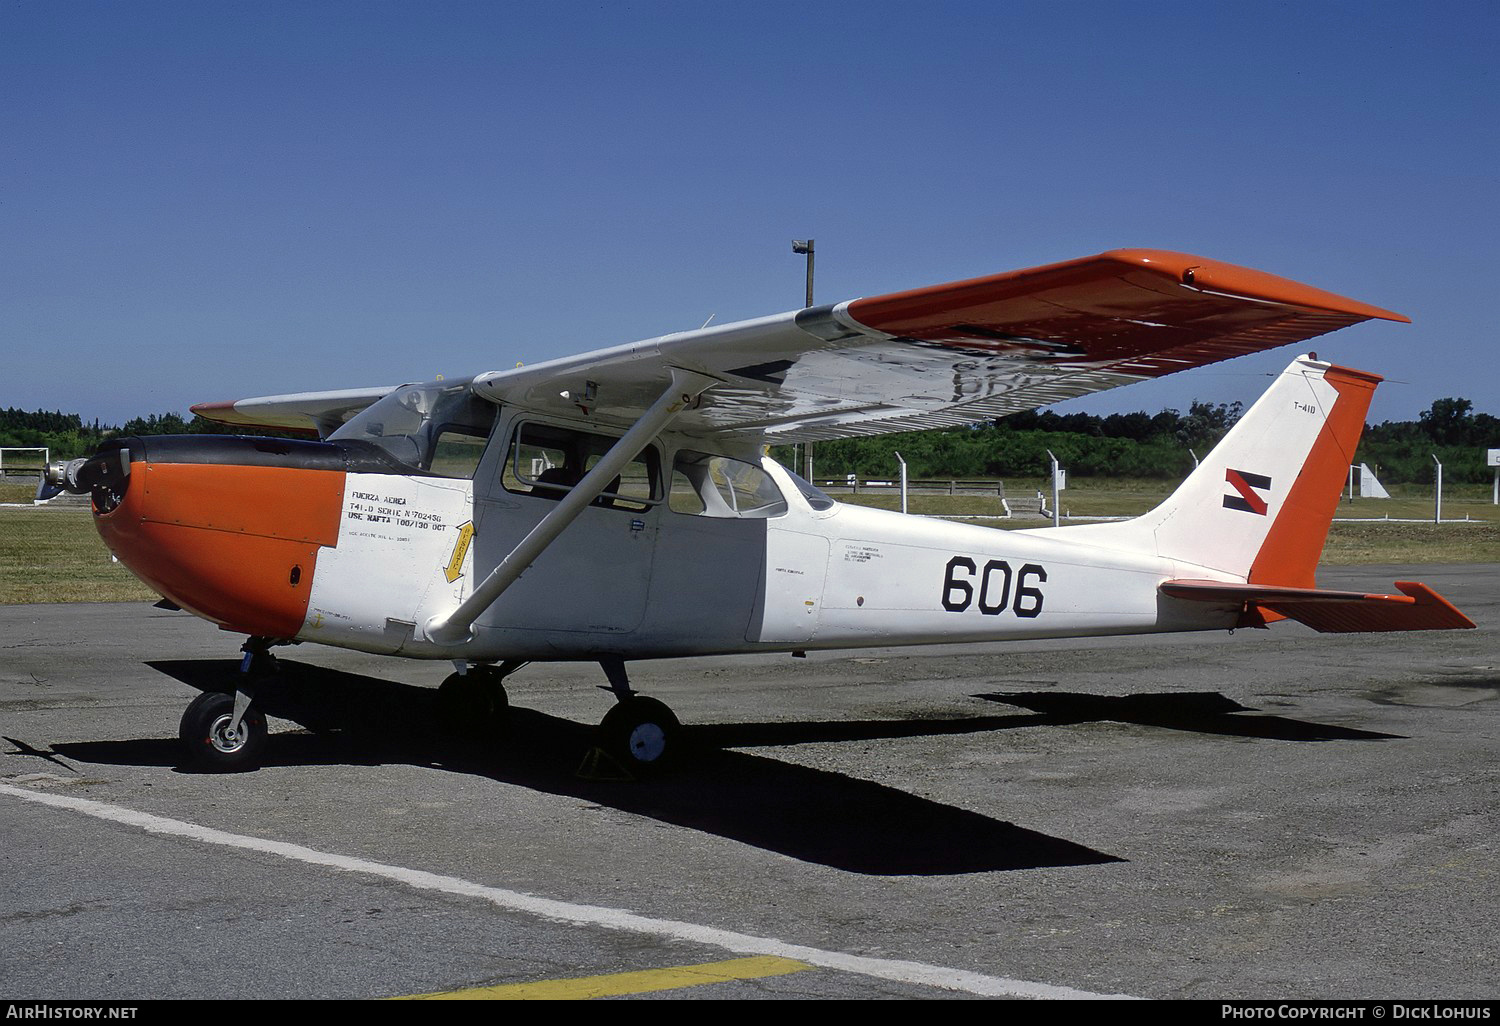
(211, 744)
(642, 735)
(474, 704)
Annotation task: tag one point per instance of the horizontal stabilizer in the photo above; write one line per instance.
(1417, 608)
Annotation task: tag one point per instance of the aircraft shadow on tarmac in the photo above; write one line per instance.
(812, 815)
(1202, 712)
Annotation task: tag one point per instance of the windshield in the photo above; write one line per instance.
(815, 496)
(440, 427)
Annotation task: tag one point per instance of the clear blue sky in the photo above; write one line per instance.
(204, 201)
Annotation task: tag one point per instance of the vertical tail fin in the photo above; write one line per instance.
(1259, 505)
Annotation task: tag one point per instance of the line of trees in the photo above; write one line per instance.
(64, 433)
(1137, 445)
(1120, 445)
(68, 436)
(1402, 451)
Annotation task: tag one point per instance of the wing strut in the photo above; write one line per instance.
(454, 629)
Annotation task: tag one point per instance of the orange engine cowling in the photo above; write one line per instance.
(228, 528)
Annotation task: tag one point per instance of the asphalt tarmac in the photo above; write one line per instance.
(1273, 814)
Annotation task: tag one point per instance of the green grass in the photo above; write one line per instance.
(55, 555)
(1353, 544)
(16, 491)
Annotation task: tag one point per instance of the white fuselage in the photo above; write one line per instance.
(659, 582)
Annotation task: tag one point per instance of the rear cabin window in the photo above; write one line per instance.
(547, 461)
(718, 486)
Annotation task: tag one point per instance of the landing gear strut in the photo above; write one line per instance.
(640, 734)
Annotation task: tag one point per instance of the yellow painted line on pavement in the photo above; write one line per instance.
(645, 981)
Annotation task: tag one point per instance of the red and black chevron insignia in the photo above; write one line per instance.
(1248, 486)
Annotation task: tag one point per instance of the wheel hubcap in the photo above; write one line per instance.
(225, 740)
(647, 742)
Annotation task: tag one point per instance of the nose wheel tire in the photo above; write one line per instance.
(642, 735)
(209, 741)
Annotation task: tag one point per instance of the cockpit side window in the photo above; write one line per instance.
(547, 461)
(457, 451)
(718, 486)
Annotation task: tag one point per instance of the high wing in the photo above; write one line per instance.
(933, 357)
(309, 412)
(948, 354)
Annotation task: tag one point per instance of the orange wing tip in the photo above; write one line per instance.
(221, 413)
(225, 412)
(1231, 279)
(1093, 284)
(1418, 608)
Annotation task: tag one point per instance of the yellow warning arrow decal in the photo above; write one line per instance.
(454, 570)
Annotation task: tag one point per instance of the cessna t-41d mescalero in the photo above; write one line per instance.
(618, 505)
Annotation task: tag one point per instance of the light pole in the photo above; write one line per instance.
(1437, 503)
(1056, 505)
(806, 247)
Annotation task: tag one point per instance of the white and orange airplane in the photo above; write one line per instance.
(618, 505)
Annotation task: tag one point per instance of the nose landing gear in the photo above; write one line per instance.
(220, 738)
(224, 732)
